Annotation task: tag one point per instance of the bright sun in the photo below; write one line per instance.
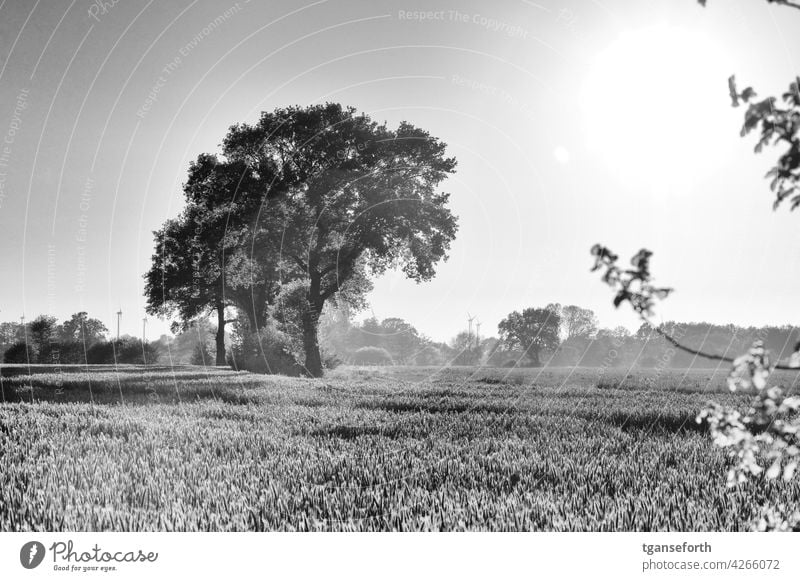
(656, 108)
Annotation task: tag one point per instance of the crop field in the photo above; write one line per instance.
(185, 449)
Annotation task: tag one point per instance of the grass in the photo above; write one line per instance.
(368, 449)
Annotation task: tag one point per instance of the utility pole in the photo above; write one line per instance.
(119, 316)
(470, 318)
(144, 326)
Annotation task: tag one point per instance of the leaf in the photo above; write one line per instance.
(748, 93)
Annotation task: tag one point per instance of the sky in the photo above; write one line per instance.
(573, 122)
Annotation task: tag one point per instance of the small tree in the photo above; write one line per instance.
(43, 332)
(17, 353)
(81, 328)
(201, 262)
(532, 330)
(577, 322)
(467, 351)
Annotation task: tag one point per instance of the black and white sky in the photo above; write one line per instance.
(573, 122)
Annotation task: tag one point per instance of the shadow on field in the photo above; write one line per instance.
(672, 422)
(130, 389)
(436, 408)
(657, 422)
(353, 432)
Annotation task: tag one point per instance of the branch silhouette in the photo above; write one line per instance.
(635, 286)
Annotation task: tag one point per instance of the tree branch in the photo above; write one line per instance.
(636, 287)
(713, 356)
(785, 3)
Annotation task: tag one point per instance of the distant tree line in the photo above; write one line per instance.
(553, 335)
(78, 340)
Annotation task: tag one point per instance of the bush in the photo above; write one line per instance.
(201, 355)
(134, 351)
(126, 350)
(430, 355)
(372, 356)
(330, 360)
(18, 353)
(265, 351)
(100, 353)
(67, 352)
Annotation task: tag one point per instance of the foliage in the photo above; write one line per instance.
(429, 355)
(531, 331)
(126, 350)
(201, 355)
(43, 330)
(18, 353)
(340, 192)
(203, 261)
(267, 350)
(467, 350)
(100, 353)
(776, 124)
(81, 328)
(634, 285)
(577, 322)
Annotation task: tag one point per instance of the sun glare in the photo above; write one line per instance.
(655, 105)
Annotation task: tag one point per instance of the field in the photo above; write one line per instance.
(368, 449)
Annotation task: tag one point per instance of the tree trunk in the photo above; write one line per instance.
(311, 344)
(220, 333)
(311, 325)
(533, 357)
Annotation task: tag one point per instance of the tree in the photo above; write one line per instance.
(201, 263)
(43, 331)
(17, 353)
(82, 329)
(467, 352)
(338, 191)
(428, 355)
(577, 322)
(531, 331)
(10, 333)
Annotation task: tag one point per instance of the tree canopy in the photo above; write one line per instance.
(531, 330)
(338, 193)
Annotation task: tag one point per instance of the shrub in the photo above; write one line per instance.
(126, 350)
(330, 360)
(18, 353)
(100, 353)
(430, 355)
(372, 356)
(131, 350)
(266, 351)
(201, 355)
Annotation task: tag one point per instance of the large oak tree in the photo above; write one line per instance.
(341, 192)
